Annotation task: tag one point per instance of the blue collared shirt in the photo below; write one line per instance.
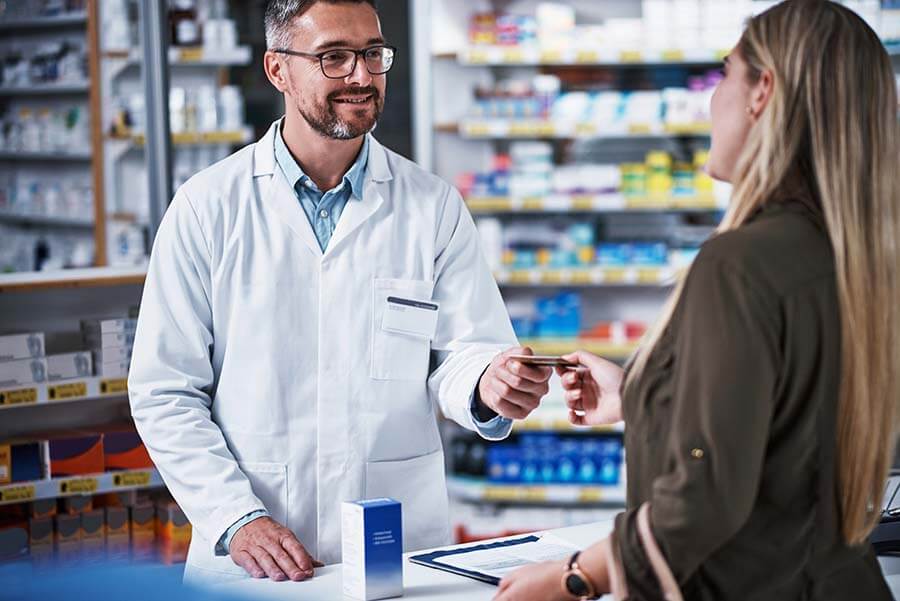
(323, 209)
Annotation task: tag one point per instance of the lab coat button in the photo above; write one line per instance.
(323, 214)
(697, 453)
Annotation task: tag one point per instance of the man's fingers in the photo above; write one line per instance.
(285, 562)
(518, 382)
(531, 373)
(576, 419)
(267, 563)
(507, 393)
(512, 411)
(317, 563)
(246, 561)
(298, 553)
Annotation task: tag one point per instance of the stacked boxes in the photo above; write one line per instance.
(173, 532)
(111, 342)
(23, 363)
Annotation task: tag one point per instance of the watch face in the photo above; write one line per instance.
(576, 586)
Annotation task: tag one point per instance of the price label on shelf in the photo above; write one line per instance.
(586, 57)
(18, 494)
(69, 390)
(117, 386)
(614, 275)
(582, 203)
(582, 277)
(631, 56)
(553, 277)
(131, 479)
(551, 57)
(78, 486)
(513, 55)
(585, 129)
(22, 396)
(649, 276)
(637, 129)
(590, 494)
(477, 57)
(520, 277)
(477, 130)
(673, 55)
(190, 55)
(532, 204)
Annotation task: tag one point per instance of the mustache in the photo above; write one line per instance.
(356, 93)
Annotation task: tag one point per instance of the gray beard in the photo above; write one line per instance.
(327, 124)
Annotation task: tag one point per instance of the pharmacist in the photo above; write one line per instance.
(308, 302)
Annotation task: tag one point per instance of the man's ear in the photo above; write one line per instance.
(275, 71)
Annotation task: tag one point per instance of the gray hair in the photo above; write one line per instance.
(280, 14)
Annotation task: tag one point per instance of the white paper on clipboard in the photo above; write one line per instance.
(499, 561)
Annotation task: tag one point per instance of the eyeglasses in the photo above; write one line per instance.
(341, 62)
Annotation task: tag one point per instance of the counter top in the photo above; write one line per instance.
(427, 583)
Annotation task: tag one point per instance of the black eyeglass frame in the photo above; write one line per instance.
(320, 56)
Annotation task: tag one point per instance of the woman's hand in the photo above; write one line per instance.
(593, 390)
(538, 582)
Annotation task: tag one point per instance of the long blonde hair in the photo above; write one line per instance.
(831, 128)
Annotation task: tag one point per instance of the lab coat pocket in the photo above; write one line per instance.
(269, 483)
(397, 356)
(420, 486)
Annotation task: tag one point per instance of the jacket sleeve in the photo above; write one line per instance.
(725, 371)
(473, 324)
(171, 379)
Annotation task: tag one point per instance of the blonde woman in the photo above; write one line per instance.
(761, 412)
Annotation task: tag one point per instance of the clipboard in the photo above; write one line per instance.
(429, 560)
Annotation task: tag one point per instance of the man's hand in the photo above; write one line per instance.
(510, 388)
(264, 547)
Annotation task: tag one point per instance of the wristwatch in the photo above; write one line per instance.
(575, 581)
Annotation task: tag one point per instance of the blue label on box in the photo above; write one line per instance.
(384, 547)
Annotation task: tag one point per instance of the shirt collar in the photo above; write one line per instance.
(355, 176)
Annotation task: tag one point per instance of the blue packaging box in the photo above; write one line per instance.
(372, 549)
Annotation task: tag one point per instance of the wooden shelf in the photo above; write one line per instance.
(73, 278)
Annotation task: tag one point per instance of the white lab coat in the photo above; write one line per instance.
(261, 375)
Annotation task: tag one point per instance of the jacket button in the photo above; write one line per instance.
(697, 453)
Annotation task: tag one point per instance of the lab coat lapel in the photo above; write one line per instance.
(357, 212)
(277, 192)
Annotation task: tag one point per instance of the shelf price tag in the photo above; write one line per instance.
(631, 56)
(131, 480)
(581, 277)
(23, 396)
(477, 57)
(639, 129)
(520, 277)
(18, 494)
(591, 494)
(513, 55)
(648, 276)
(532, 204)
(673, 55)
(551, 57)
(582, 203)
(78, 486)
(585, 57)
(477, 130)
(117, 386)
(614, 275)
(69, 390)
(191, 55)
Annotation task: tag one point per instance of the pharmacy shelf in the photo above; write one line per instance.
(588, 277)
(590, 203)
(90, 277)
(49, 157)
(50, 89)
(561, 346)
(602, 57)
(479, 491)
(55, 419)
(544, 129)
(191, 56)
(95, 484)
(66, 21)
(47, 221)
(241, 136)
(556, 420)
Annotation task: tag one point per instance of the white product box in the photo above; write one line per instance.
(96, 340)
(113, 370)
(372, 549)
(24, 371)
(108, 326)
(68, 366)
(116, 354)
(21, 346)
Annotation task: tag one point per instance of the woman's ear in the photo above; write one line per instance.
(761, 93)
